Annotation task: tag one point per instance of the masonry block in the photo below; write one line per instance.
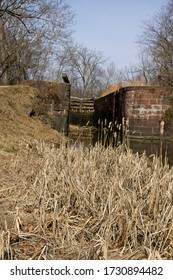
(52, 103)
(143, 106)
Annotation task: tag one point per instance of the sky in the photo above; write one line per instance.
(113, 26)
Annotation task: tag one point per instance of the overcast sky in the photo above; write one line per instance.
(112, 26)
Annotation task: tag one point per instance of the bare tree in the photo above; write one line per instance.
(111, 76)
(156, 45)
(30, 33)
(84, 68)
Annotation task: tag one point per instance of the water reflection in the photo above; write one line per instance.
(81, 119)
(153, 147)
(162, 148)
(85, 133)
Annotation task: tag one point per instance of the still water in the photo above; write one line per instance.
(90, 136)
(150, 147)
(154, 147)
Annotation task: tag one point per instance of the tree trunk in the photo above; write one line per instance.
(3, 66)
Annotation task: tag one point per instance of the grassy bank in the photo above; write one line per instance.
(15, 122)
(85, 203)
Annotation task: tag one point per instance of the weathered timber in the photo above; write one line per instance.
(81, 105)
(65, 78)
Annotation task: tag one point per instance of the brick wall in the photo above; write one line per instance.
(145, 108)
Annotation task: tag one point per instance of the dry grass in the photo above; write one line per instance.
(15, 124)
(85, 203)
(118, 86)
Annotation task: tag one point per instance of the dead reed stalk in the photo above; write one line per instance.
(86, 203)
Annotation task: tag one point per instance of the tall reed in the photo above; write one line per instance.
(86, 203)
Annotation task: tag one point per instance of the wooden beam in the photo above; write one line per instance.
(65, 78)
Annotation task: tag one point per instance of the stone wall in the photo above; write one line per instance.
(52, 103)
(145, 108)
(142, 107)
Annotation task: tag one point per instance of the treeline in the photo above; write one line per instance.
(36, 42)
(31, 33)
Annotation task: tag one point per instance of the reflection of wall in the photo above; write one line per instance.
(158, 148)
(52, 103)
(81, 119)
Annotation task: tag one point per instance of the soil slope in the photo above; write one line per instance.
(15, 123)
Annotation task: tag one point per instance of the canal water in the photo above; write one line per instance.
(88, 135)
(153, 147)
